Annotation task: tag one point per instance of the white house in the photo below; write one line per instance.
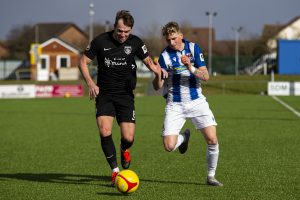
(290, 31)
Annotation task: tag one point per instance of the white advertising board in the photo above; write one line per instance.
(297, 88)
(17, 91)
(284, 88)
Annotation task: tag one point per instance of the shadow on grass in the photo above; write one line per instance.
(172, 182)
(50, 113)
(111, 194)
(58, 178)
(78, 179)
(245, 118)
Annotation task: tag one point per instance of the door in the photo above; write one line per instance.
(43, 68)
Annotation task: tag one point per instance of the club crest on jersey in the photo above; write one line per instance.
(127, 49)
(190, 57)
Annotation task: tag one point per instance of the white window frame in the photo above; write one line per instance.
(58, 61)
(47, 58)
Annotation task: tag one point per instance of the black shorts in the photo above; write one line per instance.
(119, 106)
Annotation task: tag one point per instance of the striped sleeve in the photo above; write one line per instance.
(162, 62)
(199, 58)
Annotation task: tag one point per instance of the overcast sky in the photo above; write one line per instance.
(252, 15)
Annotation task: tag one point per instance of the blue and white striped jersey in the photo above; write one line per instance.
(182, 85)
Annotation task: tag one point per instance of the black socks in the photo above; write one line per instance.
(125, 144)
(109, 150)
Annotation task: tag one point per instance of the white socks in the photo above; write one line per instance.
(180, 139)
(116, 169)
(212, 155)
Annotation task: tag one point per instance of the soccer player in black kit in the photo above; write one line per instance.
(115, 51)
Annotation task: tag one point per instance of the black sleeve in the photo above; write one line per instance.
(90, 50)
(142, 51)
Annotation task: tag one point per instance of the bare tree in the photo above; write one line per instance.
(19, 40)
(98, 28)
(152, 38)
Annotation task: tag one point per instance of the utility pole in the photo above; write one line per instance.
(36, 34)
(107, 25)
(91, 13)
(210, 25)
(237, 36)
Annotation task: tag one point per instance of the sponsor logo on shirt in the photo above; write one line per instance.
(201, 57)
(133, 116)
(144, 49)
(179, 69)
(115, 62)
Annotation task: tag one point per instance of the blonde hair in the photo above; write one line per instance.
(170, 28)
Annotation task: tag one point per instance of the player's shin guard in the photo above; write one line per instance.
(212, 155)
(109, 151)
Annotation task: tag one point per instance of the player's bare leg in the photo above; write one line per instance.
(172, 142)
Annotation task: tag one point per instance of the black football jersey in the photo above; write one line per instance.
(116, 62)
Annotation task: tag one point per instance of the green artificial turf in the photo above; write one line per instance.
(49, 149)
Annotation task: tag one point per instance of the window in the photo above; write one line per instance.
(43, 63)
(62, 61)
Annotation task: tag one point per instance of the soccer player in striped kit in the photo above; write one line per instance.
(184, 62)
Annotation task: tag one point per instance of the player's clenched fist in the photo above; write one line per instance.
(185, 60)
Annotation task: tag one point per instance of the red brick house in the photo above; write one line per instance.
(56, 57)
(60, 46)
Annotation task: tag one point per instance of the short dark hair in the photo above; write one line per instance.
(126, 16)
(170, 28)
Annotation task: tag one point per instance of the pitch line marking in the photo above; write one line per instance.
(286, 106)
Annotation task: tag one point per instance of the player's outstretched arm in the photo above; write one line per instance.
(158, 80)
(154, 67)
(83, 67)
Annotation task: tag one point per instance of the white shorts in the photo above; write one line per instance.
(176, 114)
